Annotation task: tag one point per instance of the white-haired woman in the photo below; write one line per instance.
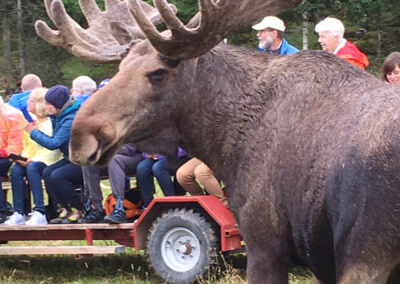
(38, 158)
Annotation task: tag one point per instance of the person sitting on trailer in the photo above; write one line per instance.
(62, 177)
(35, 159)
(11, 129)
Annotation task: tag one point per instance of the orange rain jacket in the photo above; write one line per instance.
(11, 130)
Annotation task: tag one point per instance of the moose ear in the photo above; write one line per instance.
(170, 62)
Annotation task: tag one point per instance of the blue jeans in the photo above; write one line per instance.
(33, 172)
(5, 164)
(61, 180)
(149, 168)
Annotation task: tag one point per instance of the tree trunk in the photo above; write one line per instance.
(21, 43)
(379, 35)
(305, 30)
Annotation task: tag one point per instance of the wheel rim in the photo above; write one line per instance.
(180, 249)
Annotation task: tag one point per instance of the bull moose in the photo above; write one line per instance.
(308, 145)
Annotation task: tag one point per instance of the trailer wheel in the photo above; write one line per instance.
(181, 246)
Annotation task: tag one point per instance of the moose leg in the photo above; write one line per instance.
(267, 264)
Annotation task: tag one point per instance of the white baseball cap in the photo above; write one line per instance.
(271, 22)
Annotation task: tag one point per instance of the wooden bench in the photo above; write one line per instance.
(121, 233)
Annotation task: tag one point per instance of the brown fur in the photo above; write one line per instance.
(307, 144)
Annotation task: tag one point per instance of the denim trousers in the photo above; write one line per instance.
(33, 172)
(5, 164)
(61, 180)
(147, 170)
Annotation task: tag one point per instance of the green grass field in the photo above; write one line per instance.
(130, 267)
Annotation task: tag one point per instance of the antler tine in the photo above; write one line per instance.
(171, 20)
(109, 32)
(216, 20)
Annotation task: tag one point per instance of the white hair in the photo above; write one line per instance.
(84, 85)
(331, 25)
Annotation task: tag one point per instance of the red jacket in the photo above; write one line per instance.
(352, 54)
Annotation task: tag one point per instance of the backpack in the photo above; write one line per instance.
(132, 203)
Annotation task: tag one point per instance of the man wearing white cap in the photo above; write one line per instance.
(270, 34)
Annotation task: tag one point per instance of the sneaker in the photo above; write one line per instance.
(15, 219)
(94, 216)
(73, 217)
(62, 215)
(36, 218)
(116, 217)
(3, 218)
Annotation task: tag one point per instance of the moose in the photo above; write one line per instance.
(308, 145)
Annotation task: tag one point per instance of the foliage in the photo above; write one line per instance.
(380, 18)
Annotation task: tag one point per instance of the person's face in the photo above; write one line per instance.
(266, 38)
(328, 42)
(52, 110)
(32, 105)
(394, 76)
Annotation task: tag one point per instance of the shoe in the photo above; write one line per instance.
(36, 218)
(118, 215)
(15, 219)
(94, 216)
(73, 217)
(62, 215)
(3, 218)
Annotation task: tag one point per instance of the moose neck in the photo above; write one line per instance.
(222, 104)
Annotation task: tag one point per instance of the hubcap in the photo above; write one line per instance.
(180, 249)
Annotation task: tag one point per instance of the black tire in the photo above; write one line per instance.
(182, 246)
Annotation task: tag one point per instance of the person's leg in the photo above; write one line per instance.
(4, 166)
(163, 177)
(186, 178)
(18, 186)
(145, 181)
(34, 173)
(120, 167)
(91, 181)
(66, 178)
(212, 185)
(51, 186)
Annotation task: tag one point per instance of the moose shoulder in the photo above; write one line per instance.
(308, 145)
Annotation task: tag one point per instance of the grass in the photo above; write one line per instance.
(130, 267)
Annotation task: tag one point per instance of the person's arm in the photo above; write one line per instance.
(14, 139)
(55, 141)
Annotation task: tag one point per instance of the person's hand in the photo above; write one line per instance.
(30, 126)
(152, 156)
(23, 163)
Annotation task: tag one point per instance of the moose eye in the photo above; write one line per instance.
(157, 76)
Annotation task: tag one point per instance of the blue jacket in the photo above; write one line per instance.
(62, 124)
(81, 98)
(20, 101)
(286, 48)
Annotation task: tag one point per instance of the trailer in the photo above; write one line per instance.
(183, 236)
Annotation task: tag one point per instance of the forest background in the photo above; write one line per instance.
(373, 25)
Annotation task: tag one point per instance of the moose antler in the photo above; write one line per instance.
(215, 20)
(108, 35)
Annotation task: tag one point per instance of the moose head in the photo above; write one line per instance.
(144, 100)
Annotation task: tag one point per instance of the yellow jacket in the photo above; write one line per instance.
(34, 151)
